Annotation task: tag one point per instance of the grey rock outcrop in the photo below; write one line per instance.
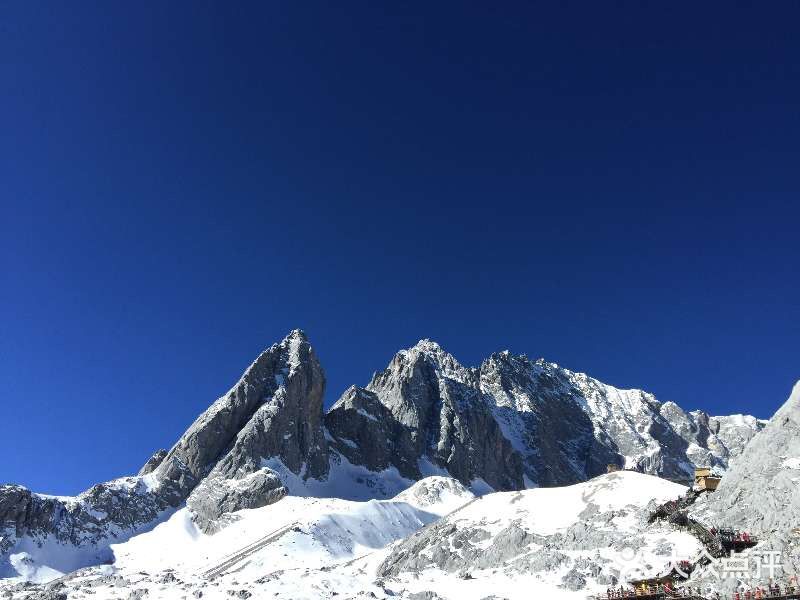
(581, 424)
(365, 432)
(153, 462)
(514, 422)
(507, 532)
(274, 411)
(761, 492)
(540, 411)
(217, 466)
(283, 389)
(509, 424)
(106, 513)
(430, 409)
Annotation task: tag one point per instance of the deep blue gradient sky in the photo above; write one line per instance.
(611, 186)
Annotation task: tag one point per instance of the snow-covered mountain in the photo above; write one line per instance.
(514, 423)
(316, 532)
(566, 539)
(434, 541)
(761, 492)
(216, 468)
(510, 424)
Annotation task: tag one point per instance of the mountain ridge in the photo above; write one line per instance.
(509, 424)
(531, 400)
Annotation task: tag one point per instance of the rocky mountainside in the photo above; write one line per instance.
(434, 541)
(274, 411)
(761, 492)
(509, 424)
(513, 423)
(568, 537)
(216, 468)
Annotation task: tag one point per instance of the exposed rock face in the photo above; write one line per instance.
(368, 434)
(630, 428)
(105, 513)
(514, 422)
(274, 411)
(153, 462)
(509, 424)
(540, 413)
(761, 492)
(426, 407)
(271, 385)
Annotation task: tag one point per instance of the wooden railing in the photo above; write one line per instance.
(775, 592)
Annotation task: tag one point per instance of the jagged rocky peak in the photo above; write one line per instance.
(511, 423)
(543, 424)
(425, 359)
(274, 413)
(508, 379)
(432, 418)
(220, 465)
(285, 379)
(539, 414)
(734, 431)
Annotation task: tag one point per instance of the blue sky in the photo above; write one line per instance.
(613, 188)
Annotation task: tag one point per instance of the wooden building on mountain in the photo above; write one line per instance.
(705, 480)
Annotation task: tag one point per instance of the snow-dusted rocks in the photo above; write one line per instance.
(323, 548)
(439, 495)
(761, 492)
(365, 432)
(274, 411)
(574, 538)
(510, 424)
(43, 536)
(153, 462)
(426, 409)
(514, 423)
(540, 412)
(217, 466)
(628, 427)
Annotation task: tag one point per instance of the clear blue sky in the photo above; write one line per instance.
(611, 186)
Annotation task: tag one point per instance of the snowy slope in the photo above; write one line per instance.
(562, 541)
(324, 531)
(44, 536)
(317, 536)
(434, 540)
(510, 424)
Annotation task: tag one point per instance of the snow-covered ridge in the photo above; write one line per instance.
(552, 425)
(509, 424)
(434, 540)
(567, 541)
(325, 531)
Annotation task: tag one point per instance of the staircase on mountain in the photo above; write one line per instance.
(245, 552)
